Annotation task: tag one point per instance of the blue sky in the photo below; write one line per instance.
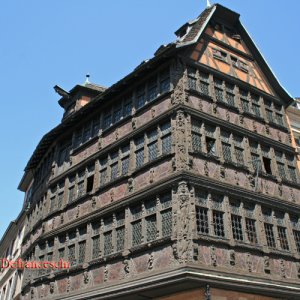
(44, 43)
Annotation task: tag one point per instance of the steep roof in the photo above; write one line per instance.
(196, 28)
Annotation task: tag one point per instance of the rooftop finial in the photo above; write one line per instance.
(208, 3)
(87, 76)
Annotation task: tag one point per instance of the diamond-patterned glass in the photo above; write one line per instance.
(151, 229)
(108, 247)
(96, 247)
(166, 144)
(166, 222)
(153, 150)
(136, 233)
(226, 148)
(120, 238)
(139, 158)
(81, 252)
(71, 255)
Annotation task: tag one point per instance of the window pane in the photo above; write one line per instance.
(152, 148)
(139, 158)
(81, 256)
(136, 233)
(108, 248)
(226, 148)
(96, 247)
(236, 223)
(166, 219)
(218, 223)
(282, 238)
(151, 229)
(251, 231)
(202, 220)
(270, 235)
(166, 144)
(120, 238)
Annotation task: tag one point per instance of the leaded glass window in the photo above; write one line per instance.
(202, 220)
(139, 143)
(120, 238)
(204, 83)
(255, 105)
(230, 94)
(166, 138)
(152, 89)
(107, 120)
(140, 100)
(117, 113)
(80, 189)
(96, 247)
(196, 135)
(86, 132)
(218, 223)
(136, 233)
(114, 171)
(96, 126)
(270, 235)
(72, 255)
(239, 154)
(165, 81)
(166, 144)
(127, 107)
(103, 171)
(108, 246)
(125, 165)
(226, 148)
(236, 224)
(282, 238)
(60, 199)
(297, 239)
(192, 80)
(251, 231)
(218, 84)
(153, 150)
(151, 229)
(166, 222)
(81, 252)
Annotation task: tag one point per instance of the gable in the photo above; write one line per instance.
(218, 40)
(219, 50)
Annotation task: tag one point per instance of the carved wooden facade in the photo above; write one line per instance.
(184, 177)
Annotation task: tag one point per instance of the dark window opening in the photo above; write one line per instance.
(90, 184)
(210, 145)
(267, 165)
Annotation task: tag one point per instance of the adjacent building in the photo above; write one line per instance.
(179, 181)
(10, 250)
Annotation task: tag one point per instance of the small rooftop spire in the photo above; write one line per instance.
(208, 3)
(87, 76)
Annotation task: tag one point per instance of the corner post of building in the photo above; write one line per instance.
(183, 219)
